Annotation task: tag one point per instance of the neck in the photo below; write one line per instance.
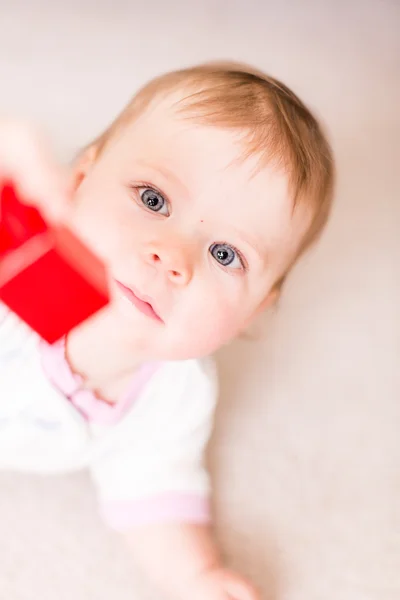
(98, 350)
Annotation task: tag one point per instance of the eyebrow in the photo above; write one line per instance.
(253, 244)
(166, 173)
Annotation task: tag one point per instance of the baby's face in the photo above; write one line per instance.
(193, 237)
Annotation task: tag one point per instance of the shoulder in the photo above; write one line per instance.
(188, 387)
(192, 371)
(15, 335)
(198, 376)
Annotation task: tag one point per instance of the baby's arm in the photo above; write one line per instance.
(183, 560)
(153, 486)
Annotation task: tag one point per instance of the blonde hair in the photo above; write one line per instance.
(276, 126)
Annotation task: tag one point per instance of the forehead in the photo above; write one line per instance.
(206, 165)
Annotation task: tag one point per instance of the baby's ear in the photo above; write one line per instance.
(271, 298)
(82, 165)
(268, 301)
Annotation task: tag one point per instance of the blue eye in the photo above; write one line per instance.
(154, 201)
(226, 256)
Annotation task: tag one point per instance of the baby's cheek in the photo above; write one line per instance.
(100, 226)
(211, 328)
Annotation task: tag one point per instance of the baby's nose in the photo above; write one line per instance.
(174, 262)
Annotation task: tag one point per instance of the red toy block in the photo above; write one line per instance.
(47, 276)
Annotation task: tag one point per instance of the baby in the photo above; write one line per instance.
(198, 198)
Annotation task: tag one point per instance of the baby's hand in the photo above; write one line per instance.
(26, 161)
(222, 584)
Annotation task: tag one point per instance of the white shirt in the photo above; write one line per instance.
(145, 453)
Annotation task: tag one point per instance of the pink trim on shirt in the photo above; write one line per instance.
(173, 506)
(95, 410)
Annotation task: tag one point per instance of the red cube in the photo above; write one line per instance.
(47, 276)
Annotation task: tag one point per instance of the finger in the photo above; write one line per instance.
(26, 161)
(241, 590)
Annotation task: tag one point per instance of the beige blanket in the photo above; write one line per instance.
(306, 453)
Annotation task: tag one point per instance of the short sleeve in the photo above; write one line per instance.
(152, 469)
(15, 336)
(13, 332)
